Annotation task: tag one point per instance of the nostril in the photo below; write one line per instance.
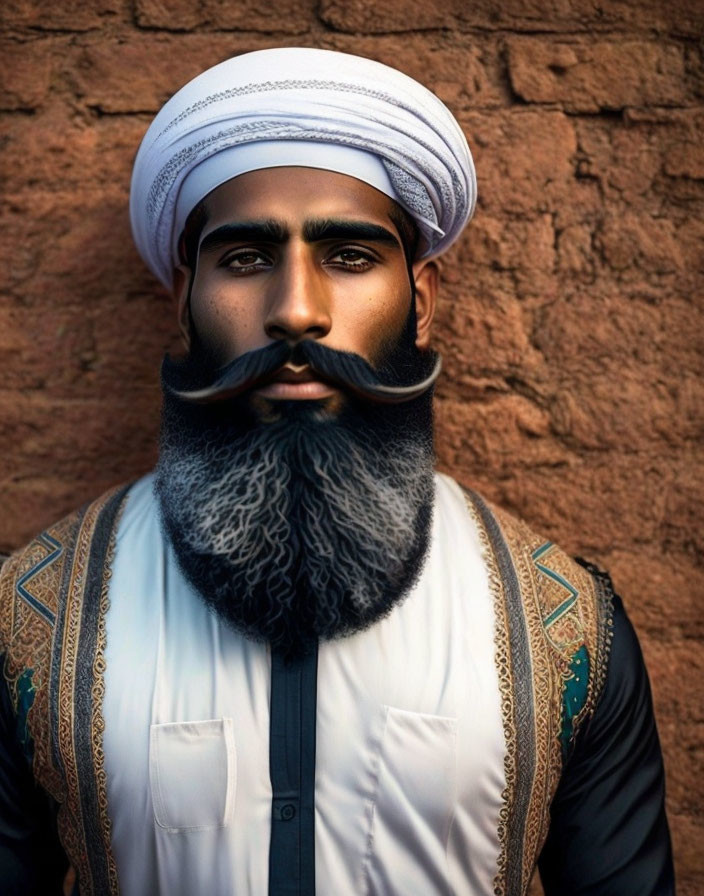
(282, 331)
(274, 331)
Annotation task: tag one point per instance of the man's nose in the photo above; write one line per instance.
(299, 306)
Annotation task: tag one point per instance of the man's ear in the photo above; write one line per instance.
(426, 275)
(181, 289)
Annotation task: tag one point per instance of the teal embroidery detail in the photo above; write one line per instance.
(26, 692)
(54, 548)
(556, 577)
(574, 694)
(543, 549)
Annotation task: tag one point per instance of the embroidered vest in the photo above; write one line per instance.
(552, 621)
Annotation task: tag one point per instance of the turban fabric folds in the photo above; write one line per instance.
(308, 107)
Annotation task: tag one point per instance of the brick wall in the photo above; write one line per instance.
(570, 322)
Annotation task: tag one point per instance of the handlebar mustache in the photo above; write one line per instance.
(260, 366)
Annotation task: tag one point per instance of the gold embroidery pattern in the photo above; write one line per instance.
(508, 710)
(41, 618)
(98, 722)
(570, 623)
(73, 825)
(26, 634)
(544, 697)
(70, 818)
(560, 613)
(559, 597)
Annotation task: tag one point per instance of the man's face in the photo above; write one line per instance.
(297, 508)
(297, 253)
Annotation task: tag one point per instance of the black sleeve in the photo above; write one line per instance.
(32, 862)
(608, 831)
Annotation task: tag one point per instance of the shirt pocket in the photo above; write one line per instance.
(192, 774)
(414, 805)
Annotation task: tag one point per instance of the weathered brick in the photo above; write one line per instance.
(366, 17)
(287, 17)
(645, 157)
(670, 662)
(48, 155)
(497, 432)
(524, 159)
(25, 74)
(42, 349)
(495, 342)
(69, 15)
(117, 436)
(575, 252)
(465, 71)
(140, 72)
(687, 832)
(589, 503)
(685, 155)
(686, 160)
(517, 15)
(665, 589)
(44, 499)
(690, 239)
(525, 247)
(623, 158)
(81, 352)
(588, 75)
(639, 243)
(81, 247)
(466, 76)
(589, 339)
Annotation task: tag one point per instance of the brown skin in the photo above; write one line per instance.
(351, 291)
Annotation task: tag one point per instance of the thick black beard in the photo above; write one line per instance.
(309, 526)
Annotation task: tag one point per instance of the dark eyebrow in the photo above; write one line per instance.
(245, 232)
(271, 231)
(340, 229)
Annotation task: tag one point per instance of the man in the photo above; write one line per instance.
(295, 659)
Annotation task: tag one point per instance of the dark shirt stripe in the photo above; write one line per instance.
(292, 772)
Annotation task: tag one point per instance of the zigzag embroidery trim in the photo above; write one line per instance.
(556, 577)
(55, 549)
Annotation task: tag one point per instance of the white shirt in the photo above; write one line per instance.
(410, 744)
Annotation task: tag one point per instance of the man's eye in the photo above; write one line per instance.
(352, 259)
(245, 261)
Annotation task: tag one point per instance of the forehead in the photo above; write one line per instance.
(294, 195)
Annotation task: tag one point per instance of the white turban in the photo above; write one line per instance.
(307, 107)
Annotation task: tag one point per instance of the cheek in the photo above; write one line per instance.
(374, 323)
(227, 327)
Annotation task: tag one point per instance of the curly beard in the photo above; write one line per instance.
(309, 525)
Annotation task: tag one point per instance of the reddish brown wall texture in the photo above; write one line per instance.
(571, 319)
